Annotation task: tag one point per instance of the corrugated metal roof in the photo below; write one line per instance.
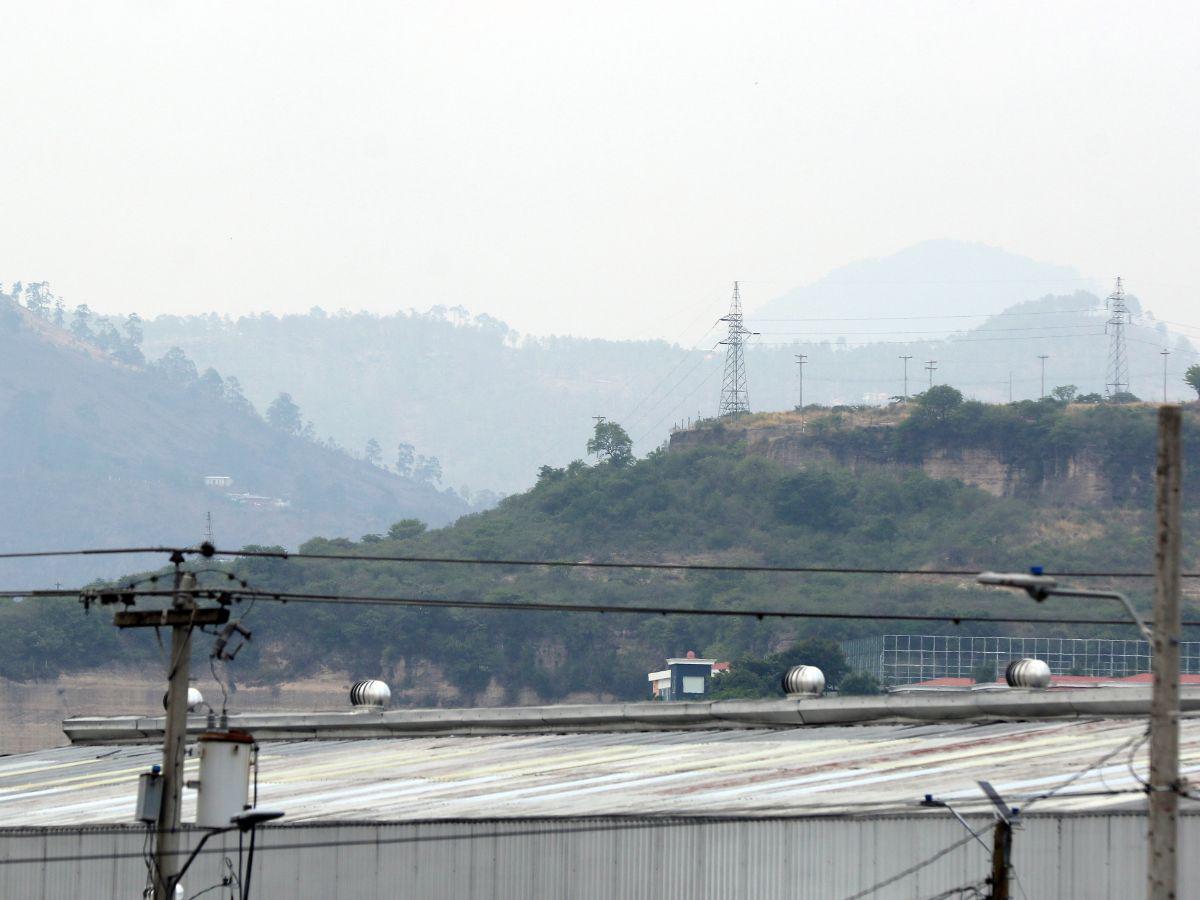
(746, 772)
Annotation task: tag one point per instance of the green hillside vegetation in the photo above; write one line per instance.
(704, 505)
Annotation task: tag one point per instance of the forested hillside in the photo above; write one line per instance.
(710, 504)
(97, 449)
(492, 405)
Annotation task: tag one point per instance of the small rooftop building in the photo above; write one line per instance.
(684, 678)
(218, 481)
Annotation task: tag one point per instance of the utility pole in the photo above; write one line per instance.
(801, 359)
(1043, 357)
(1164, 703)
(181, 617)
(1164, 354)
(906, 359)
(166, 857)
(931, 367)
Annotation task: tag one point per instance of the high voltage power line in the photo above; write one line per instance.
(949, 340)
(941, 330)
(1040, 312)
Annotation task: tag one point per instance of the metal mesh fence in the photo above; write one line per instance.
(907, 658)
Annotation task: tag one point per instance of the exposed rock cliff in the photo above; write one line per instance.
(1076, 478)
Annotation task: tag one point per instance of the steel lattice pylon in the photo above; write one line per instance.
(1118, 360)
(734, 397)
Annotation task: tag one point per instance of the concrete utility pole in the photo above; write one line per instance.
(931, 367)
(181, 617)
(1164, 354)
(906, 359)
(1043, 358)
(1164, 704)
(1001, 854)
(167, 858)
(801, 359)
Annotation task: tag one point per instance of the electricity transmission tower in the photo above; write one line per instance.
(734, 398)
(931, 367)
(1118, 361)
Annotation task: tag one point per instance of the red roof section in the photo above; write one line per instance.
(1060, 680)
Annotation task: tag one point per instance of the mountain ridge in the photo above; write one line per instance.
(96, 452)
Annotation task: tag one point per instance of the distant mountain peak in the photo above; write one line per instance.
(934, 277)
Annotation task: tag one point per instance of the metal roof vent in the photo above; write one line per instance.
(195, 700)
(371, 694)
(1027, 673)
(803, 681)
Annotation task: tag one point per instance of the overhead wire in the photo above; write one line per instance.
(637, 609)
(607, 825)
(952, 341)
(1090, 767)
(878, 886)
(949, 331)
(547, 563)
(996, 315)
(687, 567)
(701, 360)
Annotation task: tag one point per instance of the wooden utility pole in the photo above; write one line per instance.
(1164, 705)
(1001, 853)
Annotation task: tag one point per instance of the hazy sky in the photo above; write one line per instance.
(603, 169)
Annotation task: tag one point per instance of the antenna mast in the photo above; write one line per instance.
(734, 397)
(1118, 361)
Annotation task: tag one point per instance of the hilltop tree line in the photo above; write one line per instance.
(122, 341)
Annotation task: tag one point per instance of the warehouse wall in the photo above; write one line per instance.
(1056, 856)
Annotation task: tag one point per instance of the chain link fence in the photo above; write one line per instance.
(897, 659)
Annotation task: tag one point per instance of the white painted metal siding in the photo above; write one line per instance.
(1098, 857)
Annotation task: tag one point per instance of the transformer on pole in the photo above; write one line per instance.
(1118, 360)
(734, 398)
